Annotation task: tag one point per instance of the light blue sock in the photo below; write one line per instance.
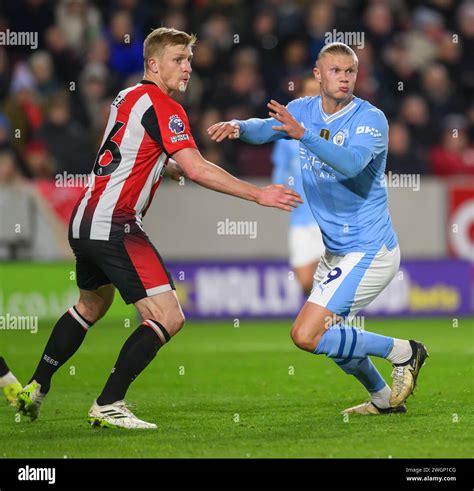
(350, 342)
(364, 371)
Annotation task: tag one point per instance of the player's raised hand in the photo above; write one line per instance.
(277, 196)
(224, 129)
(289, 123)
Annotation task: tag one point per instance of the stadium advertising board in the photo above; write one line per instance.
(266, 289)
(269, 289)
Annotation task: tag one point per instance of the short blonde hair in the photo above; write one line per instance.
(337, 49)
(165, 36)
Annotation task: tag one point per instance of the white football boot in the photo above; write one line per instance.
(116, 415)
(369, 408)
(405, 374)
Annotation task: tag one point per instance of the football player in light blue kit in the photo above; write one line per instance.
(305, 244)
(343, 151)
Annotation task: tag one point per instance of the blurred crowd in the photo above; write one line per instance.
(416, 64)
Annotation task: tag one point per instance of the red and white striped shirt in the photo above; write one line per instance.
(144, 129)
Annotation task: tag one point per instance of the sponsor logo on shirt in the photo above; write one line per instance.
(367, 129)
(179, 138)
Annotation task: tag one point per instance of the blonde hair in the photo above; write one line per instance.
(337, 49)
(165, 36)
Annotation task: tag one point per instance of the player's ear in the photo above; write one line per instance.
(317, 74)
(152, 64)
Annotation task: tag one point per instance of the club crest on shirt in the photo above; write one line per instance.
(176, 124)
(338, 138)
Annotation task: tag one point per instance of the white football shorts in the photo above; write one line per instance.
(347, 284)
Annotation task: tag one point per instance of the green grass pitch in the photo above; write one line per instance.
(246, 392)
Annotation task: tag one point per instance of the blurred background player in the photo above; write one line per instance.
(344, 186)
(305, 244)
(8, 383)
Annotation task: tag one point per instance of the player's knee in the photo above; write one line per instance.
(302, 338)
(177, 321)
(92, 311)
(172, 319)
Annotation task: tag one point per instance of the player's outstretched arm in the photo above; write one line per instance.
(211, 176)
(254, 130)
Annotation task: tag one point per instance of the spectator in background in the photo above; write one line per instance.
(4, 73)
(400, 74)
(449, 53)
(176, 19)
(439, 91)
(67, 63)
(465, 23)
(42, 69)
(319, 20)
(139, 11)
(422, 41)
(455, 154)
(264, 39)
(39, 161)
(367, 86)
(244, 93)
(4, 132)
(217, 31)
(9, 171)
(125, 46)
(415, 113)
(79, 22)
(402, 155)
(204, 68)
(378, 26)
(296, 62)
(21, 106)
(68, 143)
(93, 84)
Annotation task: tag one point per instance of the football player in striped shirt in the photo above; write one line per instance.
(343, 179)
(145, 128)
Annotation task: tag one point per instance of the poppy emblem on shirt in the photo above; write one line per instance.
(176, 124)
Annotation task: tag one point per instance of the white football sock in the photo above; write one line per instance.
(381, 398)
(401, 351)
(8, 379)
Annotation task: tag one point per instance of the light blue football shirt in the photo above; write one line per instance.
(287, 171)
(343, 177)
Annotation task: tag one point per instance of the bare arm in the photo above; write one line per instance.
(211, 176)
(173, 170)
